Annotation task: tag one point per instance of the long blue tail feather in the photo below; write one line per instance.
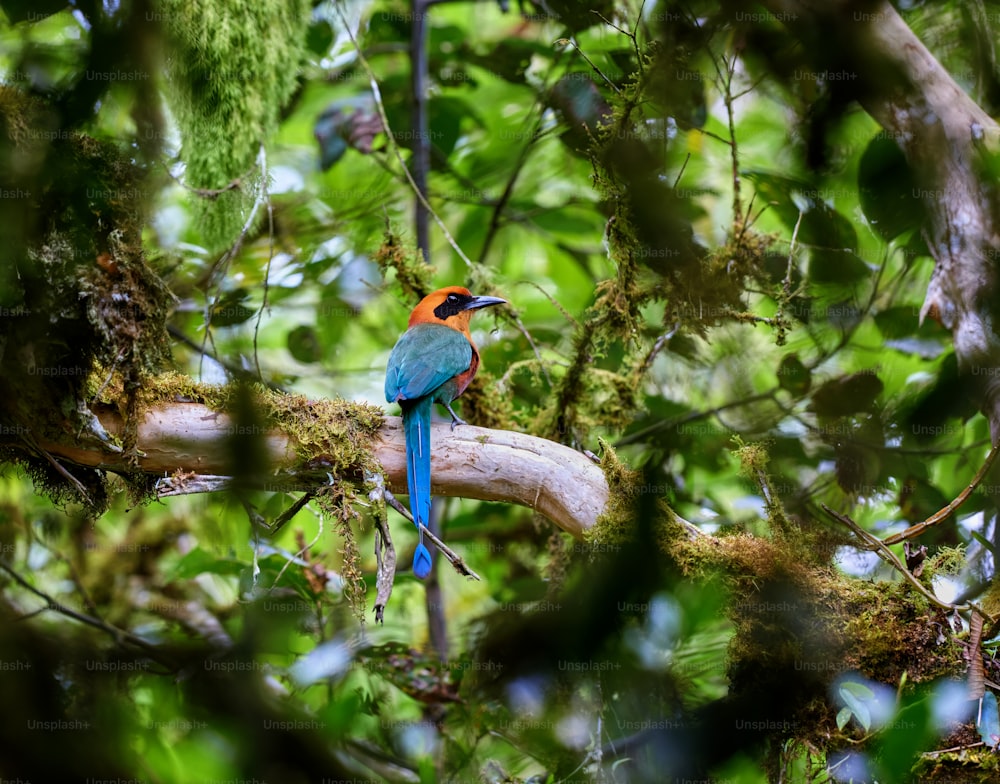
(417, 431)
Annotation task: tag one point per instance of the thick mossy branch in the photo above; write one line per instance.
(798, 623)
(334, 434)
(328, 435)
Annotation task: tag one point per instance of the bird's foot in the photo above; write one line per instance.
(455, 418)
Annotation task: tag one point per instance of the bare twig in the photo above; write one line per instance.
(220, 267)
(289, 513)
(296, 558)
(664, 425)
(28, 439)
(391, 141)
(233, 369)
(946, 512)
(534, 348)
(270, 258)
(456, 560)
(419, 124)
(591, 63)
(120, 635)
(661, 341)
(876, 545)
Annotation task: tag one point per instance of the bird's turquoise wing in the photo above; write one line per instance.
(425, 357)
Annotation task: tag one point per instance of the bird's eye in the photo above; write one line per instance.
(452, 298)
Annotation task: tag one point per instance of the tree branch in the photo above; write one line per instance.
(191, 441)
(947, 139)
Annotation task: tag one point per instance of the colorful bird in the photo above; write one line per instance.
(433, 362)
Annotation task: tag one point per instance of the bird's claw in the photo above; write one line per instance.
(455, 418)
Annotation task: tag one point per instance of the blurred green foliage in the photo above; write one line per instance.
(674, 286)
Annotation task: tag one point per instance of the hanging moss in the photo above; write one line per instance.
(233, 65)
(413, 274)
(340, 505)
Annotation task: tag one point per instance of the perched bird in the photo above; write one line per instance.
(433, 362)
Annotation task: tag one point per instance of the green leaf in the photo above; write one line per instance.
(304, 344)
(847, 395)
(200, 561)
(906, 737)
(821, 225)
(230, 309)
(896, 322)
(445, 116)
(319, 37)
(857, 689)
(854, 696)
(793, 376)
(887, 189)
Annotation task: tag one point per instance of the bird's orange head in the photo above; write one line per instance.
(452, 306)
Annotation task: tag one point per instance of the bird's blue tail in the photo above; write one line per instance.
(417, 429)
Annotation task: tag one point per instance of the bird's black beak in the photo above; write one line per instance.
(483, 302)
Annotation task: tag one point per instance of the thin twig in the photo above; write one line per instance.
(220, 267)
(730, 115)
(289, 513)
(301, 552)
(534, 348)
(694, 416)
(234, 370)
(267, 268)
(508, 191)
(456, 560)
(680, 173)
(661, 341)
(554, 302)
(120, 635)
(943, 514)
(591, 63)
(207, 193)
(391, 141)
(63, 472)
(110, 375)
(421, 148)
(876, 545)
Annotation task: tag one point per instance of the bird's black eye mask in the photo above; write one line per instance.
(453, 305)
